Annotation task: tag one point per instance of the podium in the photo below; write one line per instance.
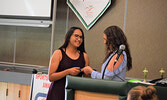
(81, 88)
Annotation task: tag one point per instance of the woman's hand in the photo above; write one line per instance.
(74, 71)
(87, 70)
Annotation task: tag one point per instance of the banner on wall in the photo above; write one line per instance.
(88, 11)
(39, 86)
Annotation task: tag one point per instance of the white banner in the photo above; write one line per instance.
(88, 11)
(39, 86)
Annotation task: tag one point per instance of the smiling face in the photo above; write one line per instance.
(76, 38)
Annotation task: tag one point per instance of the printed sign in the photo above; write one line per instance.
(88, 11)
(39, 87)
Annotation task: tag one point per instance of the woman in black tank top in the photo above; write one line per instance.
(70, 57)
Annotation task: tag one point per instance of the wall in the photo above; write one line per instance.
(146, 31)
(144, 23)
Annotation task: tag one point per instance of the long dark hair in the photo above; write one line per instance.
(68, 36)
(115, 38)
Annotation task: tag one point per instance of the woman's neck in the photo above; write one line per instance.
(71, 49)
(72, 52)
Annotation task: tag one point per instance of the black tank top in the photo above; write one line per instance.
(67, 62)
(57, 88)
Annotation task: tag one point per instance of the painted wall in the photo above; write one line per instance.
(144, 23)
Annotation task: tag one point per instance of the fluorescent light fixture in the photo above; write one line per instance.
(23, 22)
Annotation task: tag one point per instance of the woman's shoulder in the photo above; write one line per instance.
(57, 53)
(85, 54)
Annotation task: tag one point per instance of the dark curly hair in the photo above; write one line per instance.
(115, 38)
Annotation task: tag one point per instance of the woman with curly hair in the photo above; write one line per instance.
(114, 37)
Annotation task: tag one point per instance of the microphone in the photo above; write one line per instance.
(121, 49)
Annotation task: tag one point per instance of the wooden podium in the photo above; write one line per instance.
(81, 88)
(85, 95)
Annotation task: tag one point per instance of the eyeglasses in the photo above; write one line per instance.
(77, 36)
